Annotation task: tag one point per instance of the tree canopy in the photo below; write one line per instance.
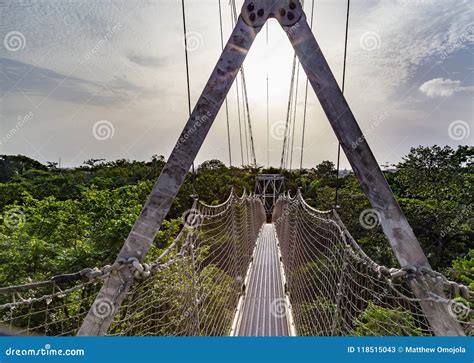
(56, 220)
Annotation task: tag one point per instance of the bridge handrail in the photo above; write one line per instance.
(229, 198)
(332, 217)
(87, 275)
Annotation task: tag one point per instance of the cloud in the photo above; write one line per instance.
(442, 87)
(19, 77)
(411, 39)
(406, 38)
(146, 61)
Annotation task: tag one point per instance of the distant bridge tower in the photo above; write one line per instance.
(268, 188)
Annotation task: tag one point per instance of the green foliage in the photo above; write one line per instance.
(11, 165)
(80, 217)
(318, 311)
(379, 321)
(436, 173)
(463, 269)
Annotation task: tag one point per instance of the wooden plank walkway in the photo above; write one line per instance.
(264, 311)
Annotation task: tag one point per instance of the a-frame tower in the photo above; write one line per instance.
(291, 17)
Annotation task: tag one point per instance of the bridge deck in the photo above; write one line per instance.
(264, 311)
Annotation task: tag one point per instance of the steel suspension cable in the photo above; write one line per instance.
(240, 122)
(252, 146)
(244, 86)
(291, 149)
(245, 123)
(306, 99)
(226, 103)
(268, 112)
(288, 113)
(232, 21)
(187, 62)
(342, 89)
(294, 117)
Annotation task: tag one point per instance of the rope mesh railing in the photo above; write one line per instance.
(336, 289)
(199, 292)
(51, 309)
(193, 288)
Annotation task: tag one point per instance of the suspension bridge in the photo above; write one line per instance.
(261, 264)
(230, 273)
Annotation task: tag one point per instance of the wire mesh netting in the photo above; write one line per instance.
(193, 288)
(48, 309)
(198, 293)
(336, 289)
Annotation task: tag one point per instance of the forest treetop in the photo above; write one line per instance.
(68, 219)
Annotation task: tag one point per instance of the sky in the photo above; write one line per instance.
(83, 79)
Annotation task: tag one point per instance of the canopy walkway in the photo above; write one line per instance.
(222, 276)
(265, 310)
(227, 272)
